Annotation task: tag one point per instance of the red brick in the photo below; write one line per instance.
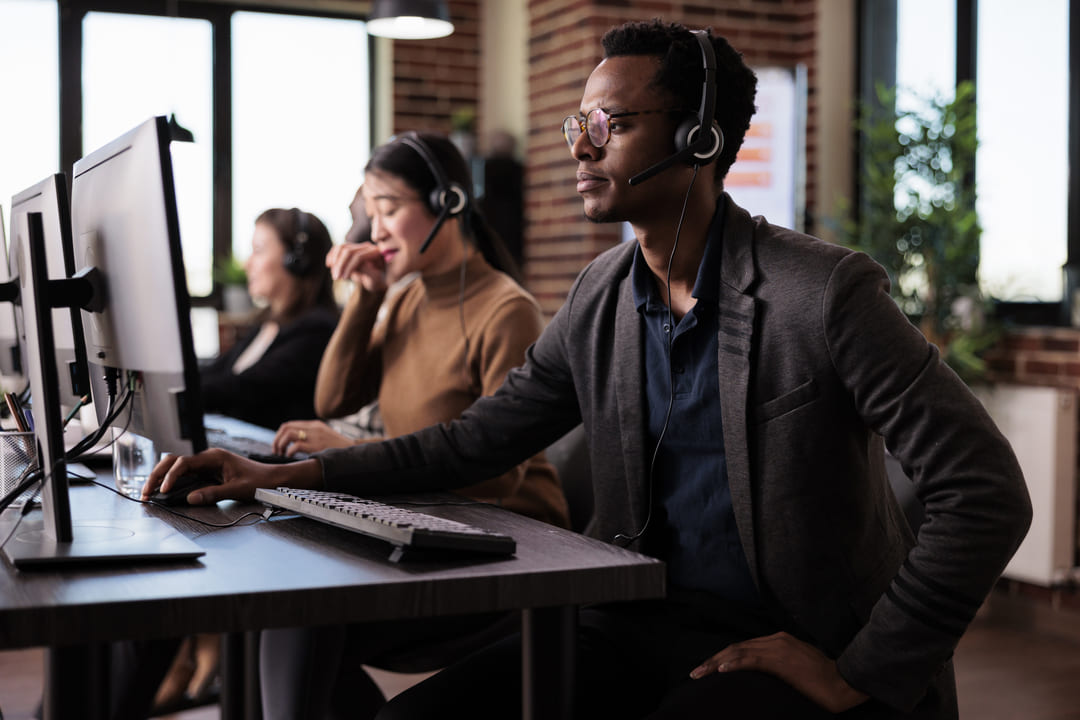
(1041, 367)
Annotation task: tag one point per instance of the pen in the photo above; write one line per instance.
(16, 415)
(27, 417)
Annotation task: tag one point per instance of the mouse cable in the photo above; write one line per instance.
(176, 512)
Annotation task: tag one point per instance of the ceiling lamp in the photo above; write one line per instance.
(410, 19)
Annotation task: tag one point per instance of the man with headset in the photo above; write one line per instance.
(738, 383)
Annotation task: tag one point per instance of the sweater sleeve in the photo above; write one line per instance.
(500, 347)
(351, 367)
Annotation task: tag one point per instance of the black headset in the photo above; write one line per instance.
(296, 258)
(691, 145)
(448, 199)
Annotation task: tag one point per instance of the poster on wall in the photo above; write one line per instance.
(769, 174)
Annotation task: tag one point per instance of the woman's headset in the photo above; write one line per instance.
(448, 199)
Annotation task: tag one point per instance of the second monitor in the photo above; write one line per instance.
(125, 224)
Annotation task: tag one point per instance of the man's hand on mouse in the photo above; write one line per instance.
(239, 476)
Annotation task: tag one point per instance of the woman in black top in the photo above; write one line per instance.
(269, 377)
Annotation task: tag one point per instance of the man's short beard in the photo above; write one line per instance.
(601, 217)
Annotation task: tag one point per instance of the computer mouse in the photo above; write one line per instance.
(184, 486)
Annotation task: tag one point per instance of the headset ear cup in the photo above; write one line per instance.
(452, 196)
(717, 146)
(295, 263)
(686, 128)
(687, 134)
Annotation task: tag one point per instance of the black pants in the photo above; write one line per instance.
(317, 672)
(633, 661)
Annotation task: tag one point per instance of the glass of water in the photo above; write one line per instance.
(134, 456)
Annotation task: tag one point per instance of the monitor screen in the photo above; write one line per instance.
(124, 224)
(10, 361)
(50, 198)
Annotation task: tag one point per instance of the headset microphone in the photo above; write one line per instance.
(692, 145)
(443, 214)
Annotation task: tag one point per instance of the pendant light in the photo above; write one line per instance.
(410, 19)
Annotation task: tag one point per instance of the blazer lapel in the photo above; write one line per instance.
(736, 339)
(629, 384)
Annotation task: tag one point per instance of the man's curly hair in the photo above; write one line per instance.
(681, 71)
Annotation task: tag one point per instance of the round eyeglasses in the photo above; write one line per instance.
(596, 124)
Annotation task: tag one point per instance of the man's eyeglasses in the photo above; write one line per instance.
(597, 125)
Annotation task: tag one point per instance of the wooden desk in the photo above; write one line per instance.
(290, 572)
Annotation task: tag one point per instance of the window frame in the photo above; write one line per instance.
(876, 62)
(219, 15)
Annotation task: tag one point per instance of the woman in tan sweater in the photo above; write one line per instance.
(434, 323)
(426, 332)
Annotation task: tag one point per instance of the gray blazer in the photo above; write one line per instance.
(819, 371)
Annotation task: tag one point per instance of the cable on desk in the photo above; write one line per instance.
(174, 511)
(33, 476)
(29, 477)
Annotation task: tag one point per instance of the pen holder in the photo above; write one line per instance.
(16, 454)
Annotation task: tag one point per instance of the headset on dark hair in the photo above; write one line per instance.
(691, 145)
(448, 199)
(297, 261)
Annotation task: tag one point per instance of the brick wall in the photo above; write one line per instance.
(564, 48)
(1038, 356)
(432, 78)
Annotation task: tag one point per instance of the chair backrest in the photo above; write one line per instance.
(570, 456)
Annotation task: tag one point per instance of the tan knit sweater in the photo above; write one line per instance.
(425, 371)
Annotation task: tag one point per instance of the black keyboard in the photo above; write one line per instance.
(254, 448)
(405, 529)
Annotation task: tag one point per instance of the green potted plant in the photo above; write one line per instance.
(917, 218)
(230, 275)
(463, 130)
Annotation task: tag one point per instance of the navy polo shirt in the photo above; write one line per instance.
(693, 524)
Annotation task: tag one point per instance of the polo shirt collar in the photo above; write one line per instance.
(647, 296)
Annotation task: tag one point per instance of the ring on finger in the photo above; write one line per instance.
(302, 436)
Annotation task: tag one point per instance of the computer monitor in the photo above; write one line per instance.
(10, 360)
(50, 198)
(134, 313)
(125, 224)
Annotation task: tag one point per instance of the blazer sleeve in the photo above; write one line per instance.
(964, 472)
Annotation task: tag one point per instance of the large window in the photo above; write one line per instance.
(1021, 71)
(29, 121)
(278, 103)
(1022, 170)
(138, 66)
(301, 126)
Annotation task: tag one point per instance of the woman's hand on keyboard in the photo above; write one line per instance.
(307, 436)
(239, 476)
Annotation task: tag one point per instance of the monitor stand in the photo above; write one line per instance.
(97, 542)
